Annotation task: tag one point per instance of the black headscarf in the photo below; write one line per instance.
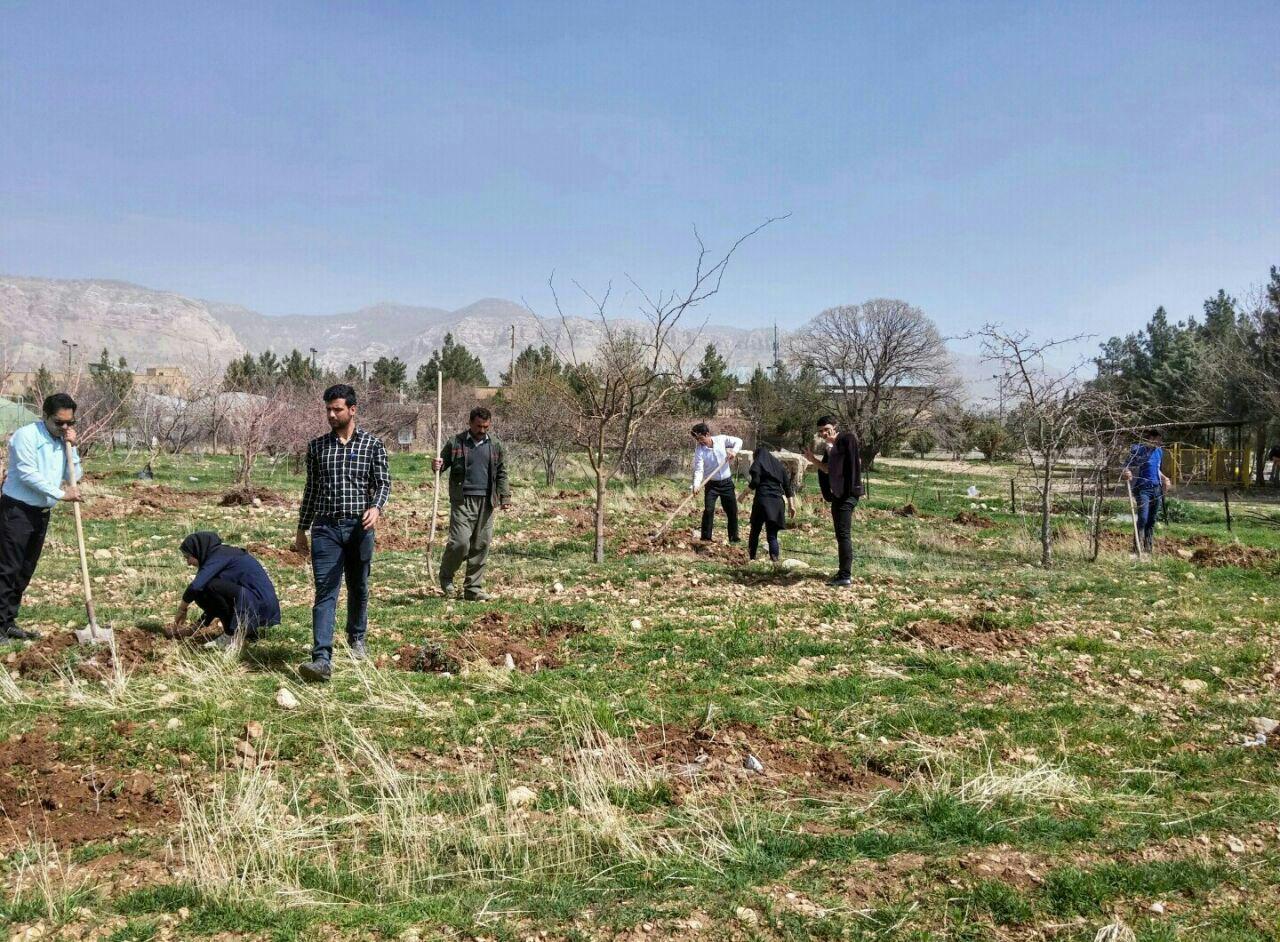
(201, 545)
(769, 464)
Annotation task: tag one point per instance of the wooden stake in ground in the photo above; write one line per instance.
(1133, 508)
(666, 524)
(435, 499)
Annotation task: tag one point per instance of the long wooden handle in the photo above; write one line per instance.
(84, 559)
(435, 503)
(1133, 509)
(657, 534)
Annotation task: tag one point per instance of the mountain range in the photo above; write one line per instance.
(161, 328)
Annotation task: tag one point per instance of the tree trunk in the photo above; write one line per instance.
(1095, 520)
(549, 466)
(598, 555)
(1260, 463)
(1046, 509)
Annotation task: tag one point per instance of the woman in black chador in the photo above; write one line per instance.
(774, 493)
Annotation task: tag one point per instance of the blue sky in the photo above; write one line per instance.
(1066, 167)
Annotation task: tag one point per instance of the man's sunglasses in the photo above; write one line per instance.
(65, 423)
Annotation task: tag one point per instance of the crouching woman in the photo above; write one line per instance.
(231, 586)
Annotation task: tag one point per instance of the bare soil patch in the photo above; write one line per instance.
(674, 541)
(253, 497)
(1235, 554)
(533, 646)
(693, 754)
(71, 803)
(971, 634)
(285, 555)
(133, 648)
(970, 519)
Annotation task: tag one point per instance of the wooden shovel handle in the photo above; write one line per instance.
(657, 535)
(84, 559)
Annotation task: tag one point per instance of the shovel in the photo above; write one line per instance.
(92, 634)
(1133, 507)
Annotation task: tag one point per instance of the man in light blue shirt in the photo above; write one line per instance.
(35, 481)
(713, 464)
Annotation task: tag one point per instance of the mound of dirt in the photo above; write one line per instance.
(973, 634)
(68, 803)
(1235, 554)
(673, 541)
(533, 646)
(133, 647)
(690, 754)
(970, 519)
(253, 497)
(906, 510)
(285, 555)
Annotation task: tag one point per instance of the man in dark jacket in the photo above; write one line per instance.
(840, 477)
(476, 462)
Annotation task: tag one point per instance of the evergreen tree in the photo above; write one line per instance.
(42, 385)
(389, 373)
(714, 384)
(240, 374)
(534, 361)
(456, 363)
(297, 369)
(268, 365)
(351, 374)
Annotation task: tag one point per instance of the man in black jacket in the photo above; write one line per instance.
(840, 477)
(477, 466)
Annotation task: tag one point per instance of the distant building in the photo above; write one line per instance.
(157, 380)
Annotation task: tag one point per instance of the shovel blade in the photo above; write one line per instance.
(95, 635)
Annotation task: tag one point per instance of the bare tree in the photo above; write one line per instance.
(636, 371)
(885, 365)
(1048, 407)
(540, 410)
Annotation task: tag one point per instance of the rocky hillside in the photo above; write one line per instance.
(153, 328)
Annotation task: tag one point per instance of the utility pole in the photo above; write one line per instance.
(70, 346)
(364, 370)
(313, 359)
(511, 376)
(1000, 386)
(777, 355)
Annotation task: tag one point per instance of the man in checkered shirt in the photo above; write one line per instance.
(348, 484)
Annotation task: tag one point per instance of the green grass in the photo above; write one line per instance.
(972, 707)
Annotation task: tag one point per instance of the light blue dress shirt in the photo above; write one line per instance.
(37, 466)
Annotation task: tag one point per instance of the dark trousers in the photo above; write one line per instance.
(231, 604)
(771, 535)
(340, 550)
(760, 522)
(1147, 498)
(842, 517)
(725, 492)
(22, 532)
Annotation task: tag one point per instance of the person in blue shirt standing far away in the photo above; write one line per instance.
(231, 586)
(710, 453)
(34, 483)
(1149, 483)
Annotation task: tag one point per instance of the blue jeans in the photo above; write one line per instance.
(339, 548)
(1147, 497)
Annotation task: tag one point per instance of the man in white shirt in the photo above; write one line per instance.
(713, 463)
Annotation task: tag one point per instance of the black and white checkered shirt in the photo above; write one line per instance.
(344, 480)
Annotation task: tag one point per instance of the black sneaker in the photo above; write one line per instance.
(447, 589)
(840, 582)
(14, 633)
(315, 672)
(477, 595)
(358, 650)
